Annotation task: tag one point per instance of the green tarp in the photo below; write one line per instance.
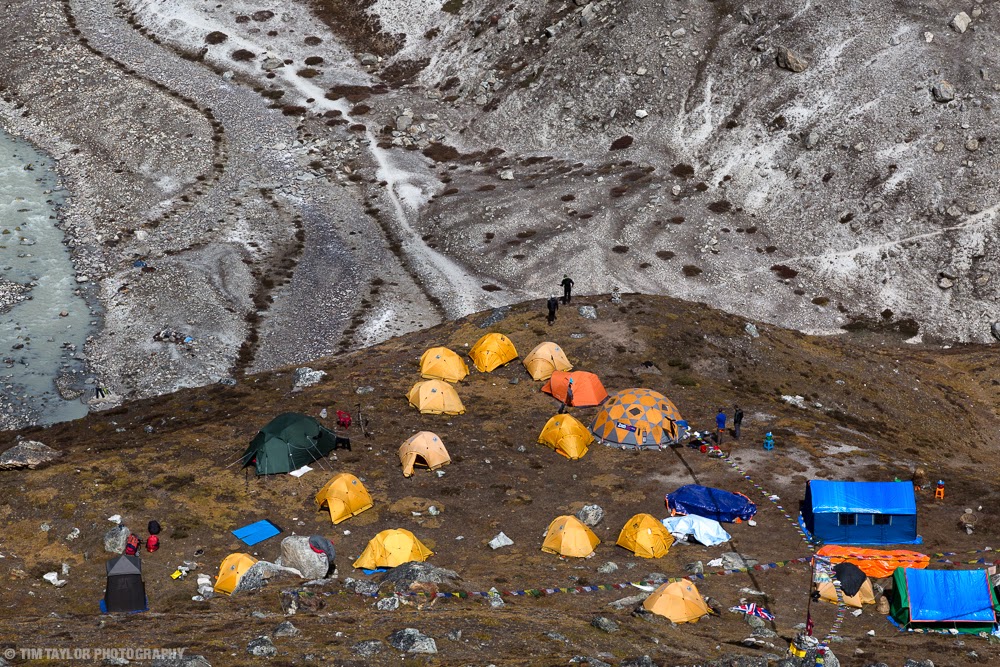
(289, 442)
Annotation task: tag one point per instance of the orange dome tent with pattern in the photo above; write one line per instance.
(637, 418)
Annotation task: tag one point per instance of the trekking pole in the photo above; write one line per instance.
(361, 420)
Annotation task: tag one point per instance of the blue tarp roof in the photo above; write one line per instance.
(256, 532)
(862, 497)
(710, 503)
(949, 595)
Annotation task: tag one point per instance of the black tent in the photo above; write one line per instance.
(125, 591)
(851, 578)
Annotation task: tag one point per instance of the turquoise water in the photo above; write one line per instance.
(37, 344)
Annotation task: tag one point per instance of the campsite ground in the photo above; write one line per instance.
(874, 409)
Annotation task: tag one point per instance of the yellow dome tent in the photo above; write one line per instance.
(440, 363)
(568, 536)
(565, 434)
(391, 548)
(231, 571)
(345, 496)
(544, 360)
(435, 397)
(492, 351)
(679, 601)
(424, 449)
(645, 536)
(866, 595)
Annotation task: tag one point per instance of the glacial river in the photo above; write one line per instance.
(42, 337)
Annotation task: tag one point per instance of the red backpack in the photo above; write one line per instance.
(152, 543)
(132, 545)
(343, 419)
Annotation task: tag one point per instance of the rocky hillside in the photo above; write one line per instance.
(861, 406)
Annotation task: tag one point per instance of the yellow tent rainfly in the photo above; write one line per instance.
(568, 536)
(231, 571)
(391, 548)
(423, 449)
(435, 397)
(492, 351)
(440, 363)
(544, 360)
(679, 601)
(565, 434)
(645, 536)
(345, 496)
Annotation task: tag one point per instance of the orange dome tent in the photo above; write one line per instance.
(391, 548)
(345, 496)
(424, 449)
(568, 536)
(566, 435)
(440, 363)
(492, 351)
(587, 388)
(679, 601)
(545, 359)
(637, 418)
(645, 536)
(435, 397)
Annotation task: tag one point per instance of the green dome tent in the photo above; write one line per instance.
(289, 442)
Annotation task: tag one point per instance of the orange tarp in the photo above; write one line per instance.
(875, 563)
(587, 388)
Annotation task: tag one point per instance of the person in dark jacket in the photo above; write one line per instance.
(569, 397)
(321, 545)
(567, 285)
(553, 305)
(720, 426)
(737, 421)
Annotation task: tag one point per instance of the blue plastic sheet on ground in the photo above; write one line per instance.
(256, 532)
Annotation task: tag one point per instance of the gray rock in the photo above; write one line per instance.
(407, 574)
(364, 390)
(972, 145)
(677, 34)
(506, 174)
(306, 377)
(918, 663)
(368, 59)
(297, 554)
(114, 539)
(411, 640)
(811, 141)
(390, 603)
(286, 629)
(608, 568)
(995, 330)
(591, 514)
(755, 621)
(943, 91)
(495, 316)
(696, 567)
(368, 648)
(590, 662)
(555, 636)
(361, 586)
(605, 624)
(751, 330)
(733, 561)
(960, 23)
(788, 59)
(403, 123)
(454, 635)
(262, 647)
(641, 661)
(27, 454)
(186, 661)
(587, 312)
(260, 573)
(107, 662)
(764, 632)
(629, 602)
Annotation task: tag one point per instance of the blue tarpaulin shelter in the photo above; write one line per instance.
(711, 503)
(256, 532)
(962, 600)
(861, 512)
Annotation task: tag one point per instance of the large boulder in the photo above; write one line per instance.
(412, 640)
(591, 514)
(296, 553)
(306, 377)
(407, 574)
(260, 573)
(114, 539)
(28, 454)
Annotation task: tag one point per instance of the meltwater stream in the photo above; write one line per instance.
(41, 337)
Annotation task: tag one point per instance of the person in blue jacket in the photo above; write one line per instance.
(720, 426)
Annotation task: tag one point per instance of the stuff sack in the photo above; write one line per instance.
(343, 419)
(132, 545)
(152, 544)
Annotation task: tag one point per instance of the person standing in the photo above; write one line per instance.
(567, 285)
(737, 421)
(569, 397)
(553, 305)
(720, 426)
